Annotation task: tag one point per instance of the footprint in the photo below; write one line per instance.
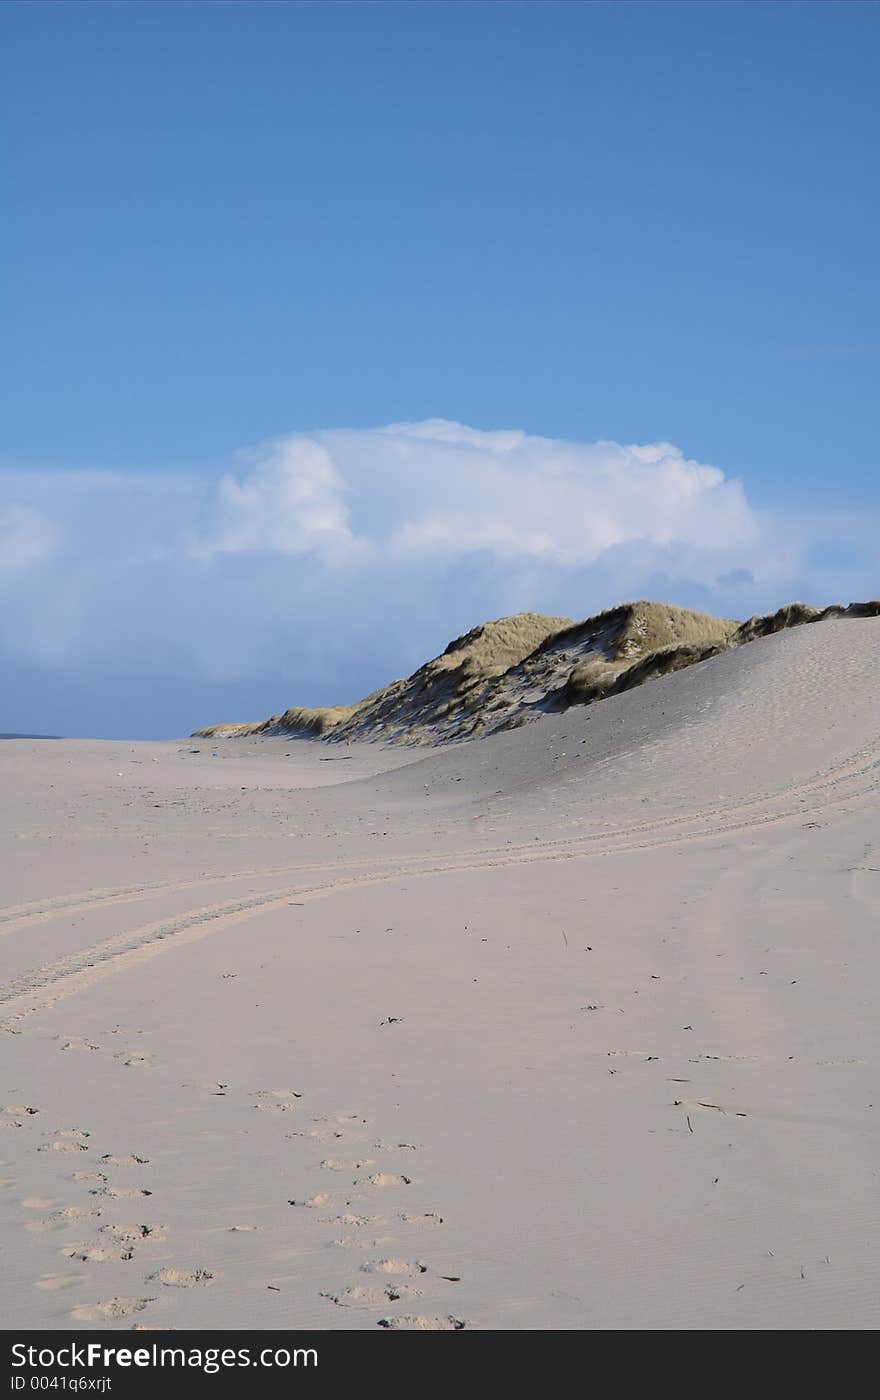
(112, 1308)
(323, 1198)
(136, 1060)
(21, 1110)
(350, 1218)
(409, 1323)
(61, 1146)
(389, 1179)
(73, 1133)
(128, 1161)
(76, 1042)
(101, 1253)
(403, 1267)
(276, 1100)
(185, 1278)
(89, 1176)
(119, 1192)
(429, 1219)
(38, 1202)
(360, 1297)
(136, 1234)
(124, 1238)
(54, 1282)
(342, 1164)
(59, 1219)
(244, 1229)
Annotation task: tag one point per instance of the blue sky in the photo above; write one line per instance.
(237, 226)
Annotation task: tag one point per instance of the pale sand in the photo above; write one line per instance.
(574, 1026)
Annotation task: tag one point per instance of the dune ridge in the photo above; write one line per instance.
(510, 671)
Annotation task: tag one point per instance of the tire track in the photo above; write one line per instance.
(15, 917)
(41, 987)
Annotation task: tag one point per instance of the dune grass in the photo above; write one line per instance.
(507, 672)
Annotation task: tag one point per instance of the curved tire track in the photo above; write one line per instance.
(15, 917)
(41, 987)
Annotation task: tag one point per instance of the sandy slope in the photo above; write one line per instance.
(574, 1026)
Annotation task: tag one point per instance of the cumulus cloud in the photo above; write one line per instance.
(443, 489)
(322, 564)
(290, 499)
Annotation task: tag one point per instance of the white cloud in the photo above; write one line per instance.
(26, 538)
(290, 498)
(325, 563)
(443, 489)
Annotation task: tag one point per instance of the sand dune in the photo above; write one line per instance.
(572, 1026)
(507, 673)
(431, 699)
